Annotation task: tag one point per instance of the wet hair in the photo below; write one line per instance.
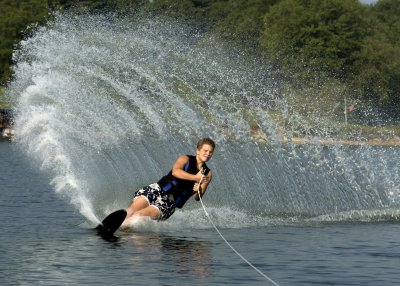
(207, 141)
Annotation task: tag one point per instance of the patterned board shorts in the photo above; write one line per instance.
(164, 202)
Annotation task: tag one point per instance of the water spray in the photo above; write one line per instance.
(204, 172)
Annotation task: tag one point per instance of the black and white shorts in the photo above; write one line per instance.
(164, 202)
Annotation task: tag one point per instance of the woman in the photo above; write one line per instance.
(188, 175)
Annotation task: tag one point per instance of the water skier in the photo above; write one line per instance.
(159, 200)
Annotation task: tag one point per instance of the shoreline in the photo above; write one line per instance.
(376, 141)
(7, 133)
(393, 142)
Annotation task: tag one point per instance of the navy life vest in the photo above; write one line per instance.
(182, 190)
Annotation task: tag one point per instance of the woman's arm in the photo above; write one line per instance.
(178, 172)
(203, 186)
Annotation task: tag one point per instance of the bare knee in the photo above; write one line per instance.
(138, 204)
(151, 211)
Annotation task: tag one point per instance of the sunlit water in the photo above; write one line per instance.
(44, 242)
(104, 106)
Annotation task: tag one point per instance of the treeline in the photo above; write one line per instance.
(15, 17)
(311, 43)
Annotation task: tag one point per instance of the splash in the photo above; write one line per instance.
(105, 104)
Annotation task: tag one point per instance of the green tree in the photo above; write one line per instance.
(314, 39)
(15, 17)
(3, 100)
(377, 64)
(96, 6)
(184, 11)
(240, 21)
(388, 12)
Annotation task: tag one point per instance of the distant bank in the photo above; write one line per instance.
(284, 139)
(6, 120)
(7, 132)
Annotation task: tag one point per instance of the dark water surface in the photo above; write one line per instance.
(44, 242)
(104, 104)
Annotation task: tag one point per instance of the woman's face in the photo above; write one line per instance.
(205, 152)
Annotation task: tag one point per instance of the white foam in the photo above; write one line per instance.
(106, 110)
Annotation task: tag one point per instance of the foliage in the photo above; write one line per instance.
(241, 21)
(15, 17)
(311, 43)
(3, 101)
(314, 39)
(387, 13)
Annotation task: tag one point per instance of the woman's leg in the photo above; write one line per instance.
(151, 211)
(138, 204)
(140, 207)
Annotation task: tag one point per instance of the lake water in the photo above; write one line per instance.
(45, 241)
(104, 104)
